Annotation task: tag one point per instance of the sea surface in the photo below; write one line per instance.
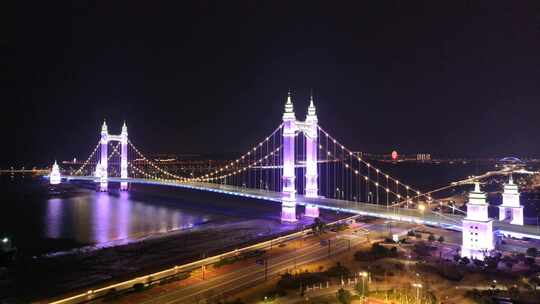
(40, 218)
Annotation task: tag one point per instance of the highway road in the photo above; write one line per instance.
(247, 276)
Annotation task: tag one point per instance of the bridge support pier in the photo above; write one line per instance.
(288, 211)
(103, 184)
(312, 211)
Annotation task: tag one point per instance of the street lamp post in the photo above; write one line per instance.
(364, 275)
(417, 286)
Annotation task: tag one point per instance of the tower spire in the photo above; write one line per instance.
(289, 108)
(311, 109)
(104, 126)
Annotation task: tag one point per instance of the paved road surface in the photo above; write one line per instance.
(248, 276)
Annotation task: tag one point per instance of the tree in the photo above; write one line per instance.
(362, 289)
(344, 296)
(464, 261)
(431, 237)
(318, 226)
(338, 270)
(441, 239)
(491, 262)
(530, 261)
(532, 252)
(478, 263)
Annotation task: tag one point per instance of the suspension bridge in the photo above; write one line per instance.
(297, 163)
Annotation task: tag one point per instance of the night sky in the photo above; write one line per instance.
(212, 76)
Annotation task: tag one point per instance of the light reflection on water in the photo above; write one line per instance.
(100, 218)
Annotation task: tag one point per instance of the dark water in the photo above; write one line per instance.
(41, 218)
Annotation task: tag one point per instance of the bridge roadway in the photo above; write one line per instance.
(427, 217)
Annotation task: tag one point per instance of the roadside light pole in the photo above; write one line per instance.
(417, 286)
(329, 247)
(364, 275)
(265, 268)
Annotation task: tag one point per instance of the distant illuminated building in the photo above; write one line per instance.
(511, 210)
(394, 155)
(55, 177)
(511, 163)
(423, 157)
(477, 227)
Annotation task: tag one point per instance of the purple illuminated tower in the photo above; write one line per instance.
(291, 127)
(102, 167)
(310, 132)
(288, 207)
(55, 178)
(104, 156)
(477, 227)
(123, 157)
(511, 210)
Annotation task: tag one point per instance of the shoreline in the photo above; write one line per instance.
(61, 274)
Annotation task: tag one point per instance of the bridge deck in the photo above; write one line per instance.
(398, 214)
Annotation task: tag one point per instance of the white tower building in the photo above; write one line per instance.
(124, 157)
(55, 178)
(104, 157)
(288, 205)
(511, 210)
(477, 227)
(310, 132)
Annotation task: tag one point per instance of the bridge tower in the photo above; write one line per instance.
(477, 227)
(55, 177)
(124, 157)
(288, 207)
(310, 132)
(104, 157)
(102, 166)
(309, 128)
(511, 210)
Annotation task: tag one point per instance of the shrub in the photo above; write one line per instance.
(422, 249)
(138, 286)
(362, 289)
(450, 272)
(344, 296)
(338, 270)
(532, 252)
(377, 252)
